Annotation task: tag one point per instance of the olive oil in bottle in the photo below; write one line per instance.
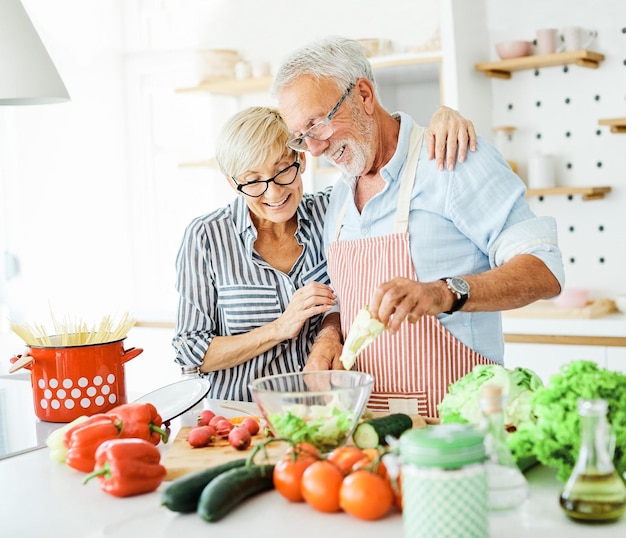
(594, 491)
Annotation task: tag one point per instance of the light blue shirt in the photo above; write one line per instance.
(225, 288)
(462, 222)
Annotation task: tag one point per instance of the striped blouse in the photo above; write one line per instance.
(225, 288)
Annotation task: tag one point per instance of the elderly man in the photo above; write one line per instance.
(444, 250)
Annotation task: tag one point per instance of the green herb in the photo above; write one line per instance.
(553, 437)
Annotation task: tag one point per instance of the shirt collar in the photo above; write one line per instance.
(392, 170)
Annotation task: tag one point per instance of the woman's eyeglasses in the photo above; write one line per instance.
(257, 188)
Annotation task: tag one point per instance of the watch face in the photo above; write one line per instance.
(459, 285)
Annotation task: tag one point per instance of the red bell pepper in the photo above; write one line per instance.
(86, 438)
(126, 467)
(68, 433)
(141, 421)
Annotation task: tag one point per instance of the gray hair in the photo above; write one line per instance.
(336, 58)
(249, 138)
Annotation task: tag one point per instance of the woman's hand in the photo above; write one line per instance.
(447, 132)
(311, 300)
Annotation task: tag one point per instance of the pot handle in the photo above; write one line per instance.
(21, 361)
(131, 353)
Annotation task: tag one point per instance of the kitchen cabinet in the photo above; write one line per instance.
(545, 344)
(504, 68)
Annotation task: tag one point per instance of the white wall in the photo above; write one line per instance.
(557, 112)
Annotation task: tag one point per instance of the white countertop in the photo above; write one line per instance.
(610, 325)
(45, 498)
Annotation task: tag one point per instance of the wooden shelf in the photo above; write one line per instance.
(235, 87)
(588, 193)
(618, 125)
(504, 68)
(232, 86)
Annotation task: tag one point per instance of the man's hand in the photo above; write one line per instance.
(401, 298)
(447, 132)
(326, 351)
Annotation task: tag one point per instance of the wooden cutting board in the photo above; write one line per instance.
(181, 458)
(546, 309)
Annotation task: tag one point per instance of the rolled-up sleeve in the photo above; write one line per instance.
(536, 236)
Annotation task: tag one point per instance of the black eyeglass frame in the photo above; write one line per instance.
(298, 143)
(242, 186)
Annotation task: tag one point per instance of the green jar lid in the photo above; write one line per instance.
(448, 446)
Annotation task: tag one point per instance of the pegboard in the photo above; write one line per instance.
(556, 111)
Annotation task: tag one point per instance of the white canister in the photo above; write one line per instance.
(444, 482)
(541, 172)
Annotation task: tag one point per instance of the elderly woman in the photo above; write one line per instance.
(252, 276)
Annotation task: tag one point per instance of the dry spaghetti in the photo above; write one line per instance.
(74, 332)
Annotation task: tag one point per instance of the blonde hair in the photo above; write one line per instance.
(249, 138)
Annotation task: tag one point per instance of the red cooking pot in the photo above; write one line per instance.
(70, 381)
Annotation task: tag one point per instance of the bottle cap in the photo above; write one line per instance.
(448, 446)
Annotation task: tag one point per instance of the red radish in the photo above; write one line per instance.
(201, 436)
(239, 438)
(251, 425)
(205, 416)
(224, 427)
(213, 422)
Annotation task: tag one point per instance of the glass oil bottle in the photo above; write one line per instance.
(507, 487)
(594, 491)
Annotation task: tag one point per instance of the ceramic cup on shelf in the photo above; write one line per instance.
(577, 38)
(548, 41)
(541, 171)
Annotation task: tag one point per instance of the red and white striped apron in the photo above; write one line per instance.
(413, 368)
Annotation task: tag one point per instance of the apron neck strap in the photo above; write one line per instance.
(407, 180)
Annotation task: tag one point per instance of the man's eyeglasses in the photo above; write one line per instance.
(321, 130)
(257, 188)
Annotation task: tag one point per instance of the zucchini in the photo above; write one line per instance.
(231, 488)
(183, 493)
(373, 432)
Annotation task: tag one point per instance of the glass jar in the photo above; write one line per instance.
(444, 483)
(594, 491)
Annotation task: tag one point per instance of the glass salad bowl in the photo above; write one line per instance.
(321, 408)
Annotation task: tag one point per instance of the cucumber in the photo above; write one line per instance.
(373, 432)
(183, 493)
(231, 488)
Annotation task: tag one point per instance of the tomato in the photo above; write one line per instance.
(366, 495)
(305, 449)
(344, 457)
(372, 461)
(289, 469)
(320, 486)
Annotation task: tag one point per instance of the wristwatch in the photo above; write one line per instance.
(461, 289)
